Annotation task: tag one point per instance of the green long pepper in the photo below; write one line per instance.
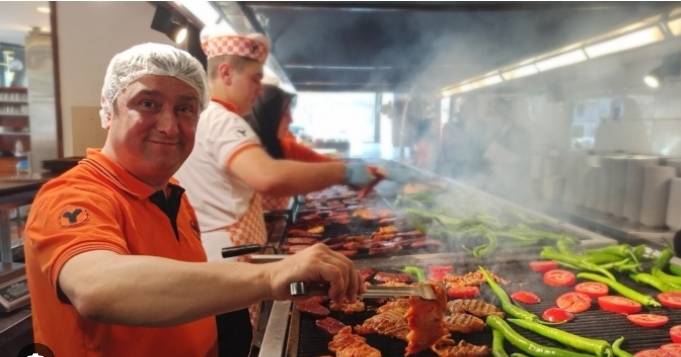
(669, 279)
(527, 346)
(657, 283)
(498, 344)
(619, 352)
(505, 301)
(622, 289)
(598, 347)
(550, 253)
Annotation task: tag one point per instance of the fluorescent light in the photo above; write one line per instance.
(449, 91)
(203, 10)
(181, 35)
(491, 80)
(675, 26)
(43, 9)
(561, 60)
(651, 81)
(520, 72)
(625, 42)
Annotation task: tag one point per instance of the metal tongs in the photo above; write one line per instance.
(424, 291)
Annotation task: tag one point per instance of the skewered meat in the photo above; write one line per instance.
(390, 322)
(317, 229)
(463, 323)
(293, 249)
(446, 347)
(366, 273)
(297, 232)
(425, 321)
(347, 344)
(301, 240)
(312, 306)
(365, 214)
(475, 307)
(387, 229)
(426, 243)
(414, 233)
(330, 325)
(337, 220)
(474, 278)
(387, 221)
(378, 237)
(386, 277)
(347, 307)
(397, 305)
(384, 248)
(350, 246)
(384, 213)
(394, 284)
(348, 253)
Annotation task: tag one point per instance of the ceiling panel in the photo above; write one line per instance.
(328, 46)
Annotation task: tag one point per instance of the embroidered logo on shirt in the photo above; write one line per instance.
(241, 132)
(72, 216)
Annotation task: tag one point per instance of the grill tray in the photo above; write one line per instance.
(593, 323)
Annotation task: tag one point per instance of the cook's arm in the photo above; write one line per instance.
(153, 291)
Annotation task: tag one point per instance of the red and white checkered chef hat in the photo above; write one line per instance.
(218, 41)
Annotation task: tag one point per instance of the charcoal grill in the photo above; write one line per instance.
(311, 341)
(292, 334)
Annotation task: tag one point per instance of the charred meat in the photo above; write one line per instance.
(347, 307)
(463, 323)
(446, 347)
(390, 322)
(347, 344)
(383, 277)
(475, 307)
(312, 306)
(425, 319)
(330, 325)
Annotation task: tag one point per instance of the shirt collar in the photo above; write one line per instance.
(228, 105)
(116, 174)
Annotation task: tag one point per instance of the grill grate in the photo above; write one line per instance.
(593, 323)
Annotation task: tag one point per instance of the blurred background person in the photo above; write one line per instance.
(271, 119)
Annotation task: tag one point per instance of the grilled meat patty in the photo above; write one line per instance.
(446, 347)
(463, 323)
(347, 344)
(475, 307)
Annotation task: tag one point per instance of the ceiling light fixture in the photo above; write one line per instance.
(626, 42)
(652, 81)
(181, 35)
(561, 60)
(675, 26)
(43, 9)
(520, 72)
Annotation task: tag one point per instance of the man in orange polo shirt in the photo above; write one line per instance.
(114, 260)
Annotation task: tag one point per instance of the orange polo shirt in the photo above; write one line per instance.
(98, 205)
(293, 150)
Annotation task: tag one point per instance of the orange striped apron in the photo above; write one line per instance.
(250, 229)
(275, 203)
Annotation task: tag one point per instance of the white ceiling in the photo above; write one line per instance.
(18, 17)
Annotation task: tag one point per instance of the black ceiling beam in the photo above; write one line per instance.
(430, 5)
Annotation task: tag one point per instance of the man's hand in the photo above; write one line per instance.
(359, 174)
(316, 264)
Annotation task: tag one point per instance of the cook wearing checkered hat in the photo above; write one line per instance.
(229, 169)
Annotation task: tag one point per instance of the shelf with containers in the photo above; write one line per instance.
(14, 128)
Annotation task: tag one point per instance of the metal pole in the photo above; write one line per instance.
(5, 237)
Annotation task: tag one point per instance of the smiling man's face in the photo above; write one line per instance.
(153, 125)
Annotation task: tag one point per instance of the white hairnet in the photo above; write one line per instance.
(150, 59)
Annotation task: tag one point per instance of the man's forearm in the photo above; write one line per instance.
(293, 177)
(153, 291)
